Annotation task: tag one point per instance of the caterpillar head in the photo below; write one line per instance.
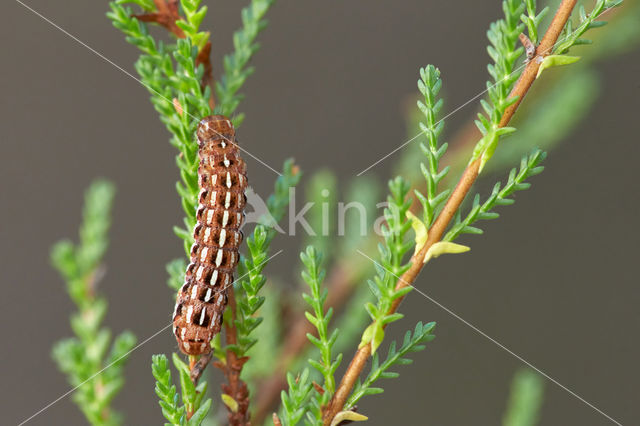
(215, 127)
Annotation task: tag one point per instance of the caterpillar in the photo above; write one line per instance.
(222, 179)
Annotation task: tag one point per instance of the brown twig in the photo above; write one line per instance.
(453, 203)
(166, 15)
(197, 367)
(340, 285)
(204, 58)
(232, 367)
(295, 341)
(544, 49)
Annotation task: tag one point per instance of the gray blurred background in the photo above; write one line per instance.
(332, 81)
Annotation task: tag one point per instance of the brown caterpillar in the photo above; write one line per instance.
(222, 179)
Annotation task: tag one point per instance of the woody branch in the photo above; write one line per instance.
(436, 231)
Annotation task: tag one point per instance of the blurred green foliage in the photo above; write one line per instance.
(95, 371)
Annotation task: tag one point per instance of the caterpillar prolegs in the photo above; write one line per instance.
(222, 179)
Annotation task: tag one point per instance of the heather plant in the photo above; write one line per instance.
(284, 371)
